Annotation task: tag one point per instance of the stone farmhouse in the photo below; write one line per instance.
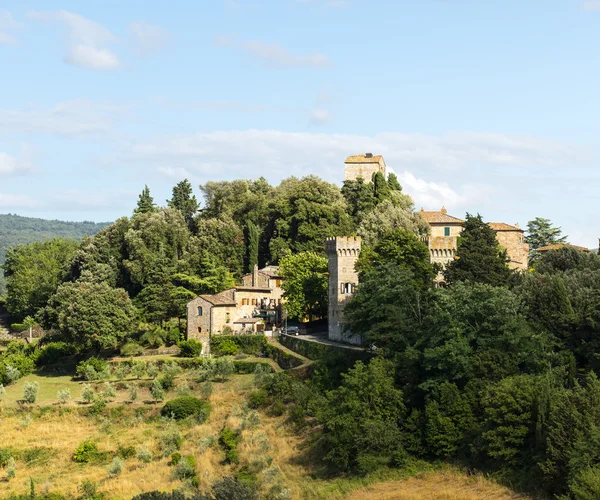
(251, 307)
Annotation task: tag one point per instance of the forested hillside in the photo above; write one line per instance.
(497, 371)
(18, 230)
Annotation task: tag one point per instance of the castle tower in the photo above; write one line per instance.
(342, 253)
(363, 166)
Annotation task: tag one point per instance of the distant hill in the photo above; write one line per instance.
(17, 230)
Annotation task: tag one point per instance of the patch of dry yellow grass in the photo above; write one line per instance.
(440, 485)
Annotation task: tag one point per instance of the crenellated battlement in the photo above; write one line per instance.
(343, 246)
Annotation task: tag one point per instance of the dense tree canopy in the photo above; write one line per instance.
(479, 256)
(541, 232)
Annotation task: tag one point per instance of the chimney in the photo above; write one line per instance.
(444, 211)
(255, 276)
(368, 155)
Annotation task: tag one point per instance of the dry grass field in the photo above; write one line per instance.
(44, 437)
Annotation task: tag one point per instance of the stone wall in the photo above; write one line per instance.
(342, 253)
(516, 248)
(198, 326)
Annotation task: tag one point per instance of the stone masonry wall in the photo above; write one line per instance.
(516, 248)
(365, 170)
(342, 253)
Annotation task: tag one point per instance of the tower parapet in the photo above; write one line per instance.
(342, 253)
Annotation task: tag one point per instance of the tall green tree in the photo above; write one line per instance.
(184, 200)
(359, 197)
(393, 182)
(479, 256)
(362, 418)
(34, 272)
(252, 245)
(541, 232)
(381, 188)
(145, 202)
(91, 314)
(305, 284)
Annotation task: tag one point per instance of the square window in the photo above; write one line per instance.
(446, 231)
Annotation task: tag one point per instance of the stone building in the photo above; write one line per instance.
(363, 166)
(445, 230)
(342, 253)
(250, 308)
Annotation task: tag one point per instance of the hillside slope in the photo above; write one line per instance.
(18, 230)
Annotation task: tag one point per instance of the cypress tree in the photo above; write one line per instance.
(184, 200)
(393, 183)
(380, 187)
(252, 237)
(479, 257)
(145, 202)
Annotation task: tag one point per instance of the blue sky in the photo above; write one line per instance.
(482, 106)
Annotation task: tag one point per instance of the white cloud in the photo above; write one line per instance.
(319, 116)
(10, 165)
(86, 40)
(8, 26)
(275, 55)
(10, 201)
(74, 117)
(590, 5)
(86, 56)
(147, 38)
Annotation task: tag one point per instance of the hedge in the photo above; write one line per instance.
(284, 359)
(185, 406)
(249, 344)
(317, 350)
(193, 363)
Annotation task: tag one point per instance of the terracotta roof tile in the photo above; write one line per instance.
(440, 217)
(501, 226)
(220, 299)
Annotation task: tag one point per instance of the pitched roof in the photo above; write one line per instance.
(271, 271)
(219, 299)
(364, 159)
(558, 246)
(440, 217)
(253, 289)
(501, 226)
(248, 320)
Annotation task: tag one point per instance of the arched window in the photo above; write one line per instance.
(199, 311)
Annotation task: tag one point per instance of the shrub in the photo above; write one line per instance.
(170, 441)
(256, 399)
(87, 393)
(121, 371)
(133, 392)
(172, 335)
(278, 408)
(185, 468)
(86, 452)
(109, 391)
(224, 367)
(54, 351)
(144, 455)
(152, 370)
(156, 390)
(126, 452)
(131, 348)
(190, 348)
(97, 407)
(224, 347)
(249, 344)
(261, 374)
(185, 406)
(183, 389)
(11, 374)
(297, 416)
(11, 469)
(87, 489)
(90, 366)
(206, 389)
(229, 440)
(138, 369)
(64, 395)
(228, 488)
(30, 392)
(5, 455)
(175, 458)
(115, 467)
(26, 421)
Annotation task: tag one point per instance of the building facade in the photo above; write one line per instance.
(363, 166)
(342, 254)
(445, 230)
(249, 308)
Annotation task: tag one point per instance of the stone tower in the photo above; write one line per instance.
(342, 253)
(363, 166)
